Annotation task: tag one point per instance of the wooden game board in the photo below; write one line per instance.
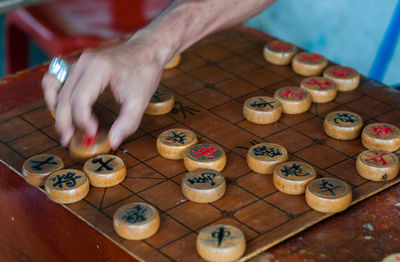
(213, 80)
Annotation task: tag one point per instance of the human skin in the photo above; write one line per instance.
(133, 69)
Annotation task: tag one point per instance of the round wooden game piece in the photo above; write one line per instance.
(105, 170)
(262, 110)
(293, 177)
(328, 195)
(263, 158)
(36, 169)
(173, 143)
(392, 258)
(294, 100)
(53, 114)
(174, 62)
(207, 156)
(381, 136)
(377, 165)
(309, 64)
(83, 146)
(67, 186)
(203, 185)
(346, 79)
(136, 221)
(343, 125)
(220, 243)
(279, 52)
(161, 102)
(322, 90)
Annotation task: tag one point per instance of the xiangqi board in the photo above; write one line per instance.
(215, 77)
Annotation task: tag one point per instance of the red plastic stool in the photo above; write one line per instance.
(60, 27)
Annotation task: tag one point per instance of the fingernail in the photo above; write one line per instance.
(114, 141)
(66, 137)
(64, 140)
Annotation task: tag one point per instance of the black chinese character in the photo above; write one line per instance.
(326, 186)
(39, 164)
(102, 164)
(177, 138)
(345, 118)
(157, 97)
(184, 109)
(294, 170)
(221, 234)
(261, 103)
(206, 177)
(263, 150)
(135, 214)
(68, 179)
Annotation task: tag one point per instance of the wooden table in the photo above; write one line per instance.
(35, 229)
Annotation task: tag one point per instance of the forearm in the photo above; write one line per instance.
(185, 22)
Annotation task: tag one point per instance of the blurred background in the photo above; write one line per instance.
(356, 33)
(346, 32)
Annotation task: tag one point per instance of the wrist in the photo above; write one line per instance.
(160, 46)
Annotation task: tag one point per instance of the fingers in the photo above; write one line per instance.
(89, 87)
(127, 123)
(64, 121)
(51, 86)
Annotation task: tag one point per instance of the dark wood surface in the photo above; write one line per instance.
(366, 232)
(33, 228)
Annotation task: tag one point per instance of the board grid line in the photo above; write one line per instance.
(230, 150)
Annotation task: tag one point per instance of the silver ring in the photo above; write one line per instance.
(59, 69)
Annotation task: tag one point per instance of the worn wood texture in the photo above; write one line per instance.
(213, 80)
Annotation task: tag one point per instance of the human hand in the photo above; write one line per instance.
(131, 70)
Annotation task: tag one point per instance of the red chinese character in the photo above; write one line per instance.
(292, 94)
(321, 84)
(397, 258)
(206, 151)
(313, 57)
(343, 72)
(377, 158)
(382, 131)
(88, 140)
(280, 46)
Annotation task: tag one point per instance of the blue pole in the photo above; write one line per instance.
(387, 46)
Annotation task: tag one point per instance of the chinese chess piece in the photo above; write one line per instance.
(328, 195)
(309, 64)
(345, 78)
(105, 170)
(174, 62)
(221, 243)
(381, 136)
(377, 165)
(293, 177)
(343, 125)
(67, 186)
(136, 221)
(83, 146)
(37, 168)
(263, 158)
(173, 143)
(203, 185)
(207, 156)
(279, 52)
(322, 90)
(294, 100)
(262, 110)
(161, 102)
